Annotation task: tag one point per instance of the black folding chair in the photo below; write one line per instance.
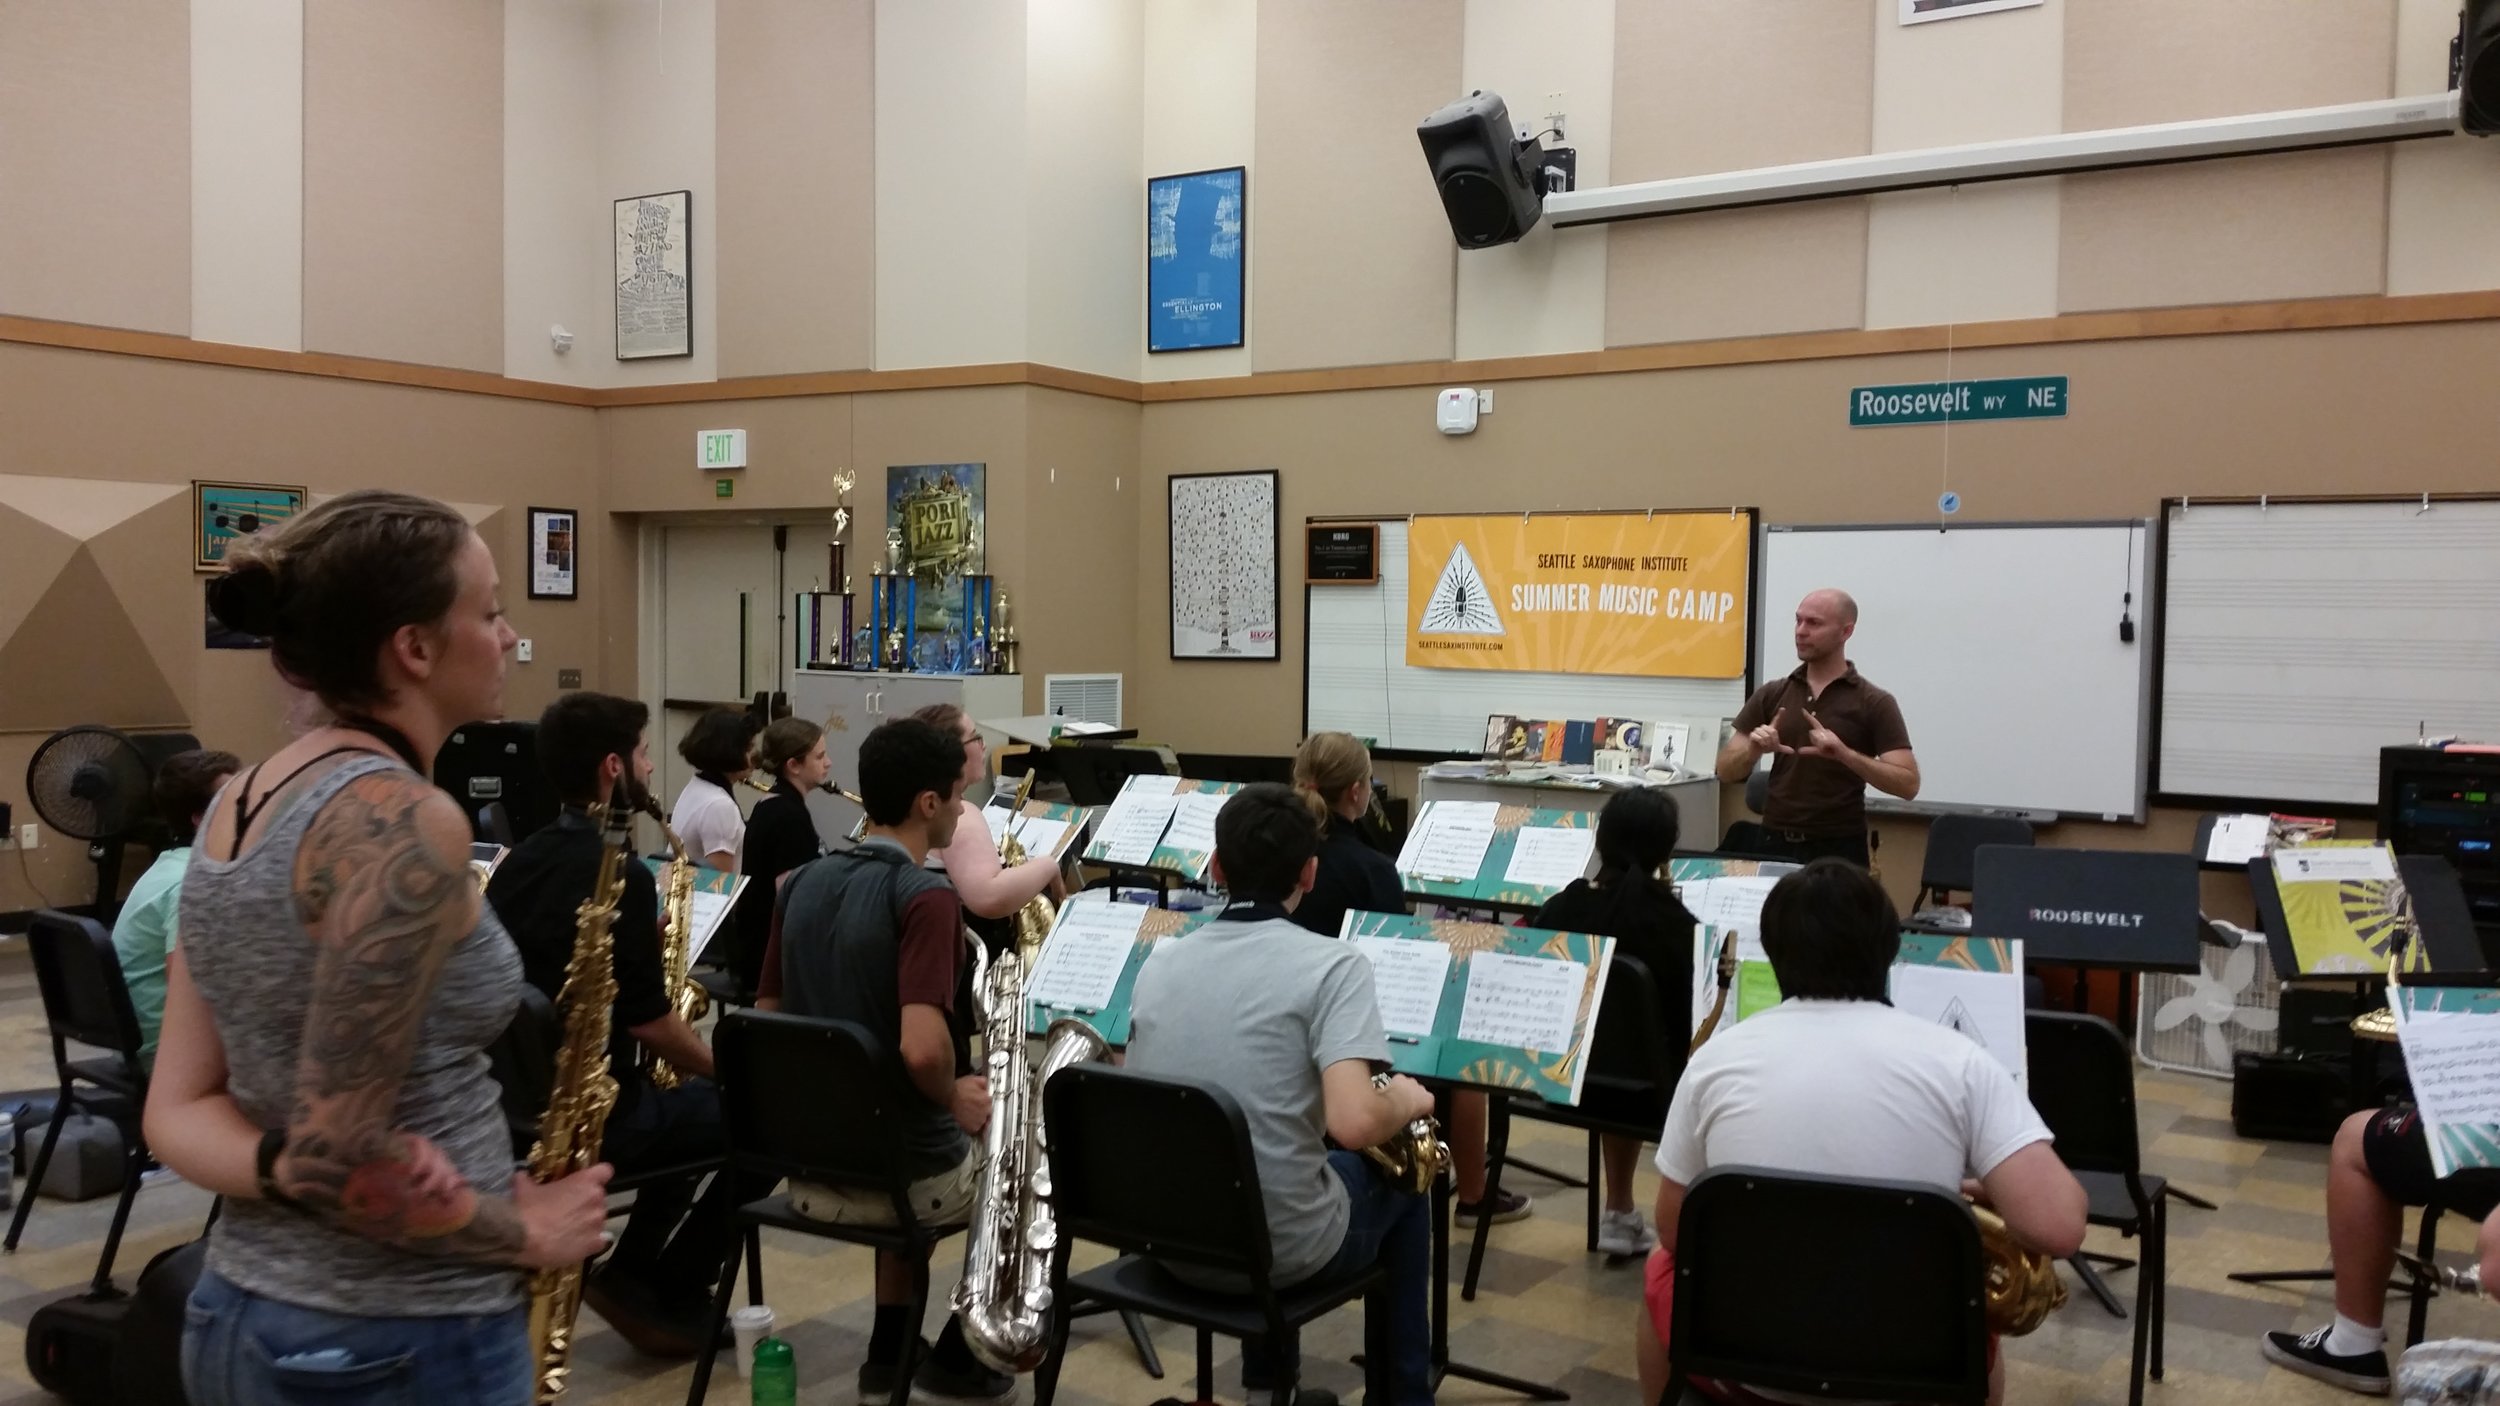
(809, 1100)
(1213, 1220)
(1894, 1309)
(1953, 843)
(2083, 1084)
(1633, 1066)
(86, 1000)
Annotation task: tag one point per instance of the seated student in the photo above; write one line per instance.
(868, 935)
(656, 1288)
(1834, 1082)
(706, 816)
(991, 892)
(145, 931)
(780, 837)
(2380, 1164)
(1287, 1023)
(1335, 770)
(1630, 903)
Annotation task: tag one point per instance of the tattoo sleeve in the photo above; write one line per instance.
(386, 910)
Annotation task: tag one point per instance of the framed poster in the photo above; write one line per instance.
(221, 512)
(555, 559)
(655, 276)
(1195, 237)
(1921, 11)
(1224, 593)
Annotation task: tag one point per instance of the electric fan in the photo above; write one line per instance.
(98, 784)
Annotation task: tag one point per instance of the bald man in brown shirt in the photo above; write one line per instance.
(1830, 734)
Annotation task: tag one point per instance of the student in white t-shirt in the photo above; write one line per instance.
(1834, 1082)
(720, 747)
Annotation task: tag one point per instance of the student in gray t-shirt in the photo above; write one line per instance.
(1285, 1021)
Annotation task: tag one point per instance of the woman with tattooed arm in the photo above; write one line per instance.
(323, 1060)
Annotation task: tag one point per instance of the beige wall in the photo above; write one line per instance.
(1085, 185)
(1200, 114)
(95, 109)
(658, 68)
(951, 275)
(247, 172)
(555, 229)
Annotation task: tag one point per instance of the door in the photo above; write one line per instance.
(725, 623)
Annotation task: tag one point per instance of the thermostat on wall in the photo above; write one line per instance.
(1456, 411)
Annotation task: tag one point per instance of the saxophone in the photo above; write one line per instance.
(686, 996)
(1004, 1297)
(1414, 1157)
(576, 1117)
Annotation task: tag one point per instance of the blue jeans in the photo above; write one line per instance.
(239, 1349)
(1389, 1227)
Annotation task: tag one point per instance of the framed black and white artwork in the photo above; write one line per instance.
(1224, 545)
(655, 276)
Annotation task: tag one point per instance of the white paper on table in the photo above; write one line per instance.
(1193, 820)
(1080, 965)
(1040, 835)
(1986, 1006)
(1000, 820)
(2307, 864)
(1729, 901)
(1550, 856)
(1407, 977)
(1134, 827)
(1526, 1002)
(1451, 847)
(2238, 839)
(2455, 1068)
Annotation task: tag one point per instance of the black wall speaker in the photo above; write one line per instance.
(1490, 180)
(2478, 77)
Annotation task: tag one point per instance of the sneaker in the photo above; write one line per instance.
(1507, 1206)
(876, 1379)
(970, 1381)
(1624, 1233)
(2306, 1354)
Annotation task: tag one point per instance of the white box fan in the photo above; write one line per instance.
(2195, 1024)
(1093, 698)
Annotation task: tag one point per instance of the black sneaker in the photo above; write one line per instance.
(876, 1379)
(2306, 1354)
(1507, 1206)
(969, 1381)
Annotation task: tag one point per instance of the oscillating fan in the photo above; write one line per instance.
(98, 784)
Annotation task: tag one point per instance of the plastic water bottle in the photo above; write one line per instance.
(775, 1380)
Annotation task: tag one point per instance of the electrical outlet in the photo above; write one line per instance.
(521, 651)
(568, 678)
(29, 835)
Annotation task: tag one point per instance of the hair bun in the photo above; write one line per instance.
(245, 597)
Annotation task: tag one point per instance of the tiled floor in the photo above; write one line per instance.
(1548, 1311)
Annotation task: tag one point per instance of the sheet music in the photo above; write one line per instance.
(2238, 839)
(1134, 827)
(999, 819)
(1450, 846)
(1729, 901)
(707, 912)
(1193, 821)
(1040, 835)
(1407, 976)
(1749, 956)
(2304, 864)
(1986, 1006)
(1550, 856)
(2455, 1067)
(1527, 1002)
(1081, 963)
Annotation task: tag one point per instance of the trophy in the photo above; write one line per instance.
(837, 578)
(1003, 655)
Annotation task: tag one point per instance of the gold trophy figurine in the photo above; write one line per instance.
(1004, 657)
(977, 645)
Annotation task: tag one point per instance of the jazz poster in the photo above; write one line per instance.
(1656, 594)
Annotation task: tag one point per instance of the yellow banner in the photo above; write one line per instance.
(1658, 594)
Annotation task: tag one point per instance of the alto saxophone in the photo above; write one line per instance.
(1414, 1156)
(576, 1117)
(1004, 1297)
(686, 996)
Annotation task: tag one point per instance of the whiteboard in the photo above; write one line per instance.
(1355, 678)
(2001, 641)
(2299, 638)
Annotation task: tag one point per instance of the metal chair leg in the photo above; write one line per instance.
(1206, 1364)
(2418, 1314)
(43, 1160)
(1596, 1192)
(2157, 1265)
(134, 1158)
(720, 1314)
(911, 1338)
(755, 1267)
(2090, 1278)
(1143, 1341)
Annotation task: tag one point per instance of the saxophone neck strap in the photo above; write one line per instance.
(388, 736)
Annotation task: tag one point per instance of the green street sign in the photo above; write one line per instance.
(1935, 402)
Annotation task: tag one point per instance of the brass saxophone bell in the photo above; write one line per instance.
(2023, 1287)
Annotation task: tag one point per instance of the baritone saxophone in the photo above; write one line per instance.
(686, 996)
(576, 1116)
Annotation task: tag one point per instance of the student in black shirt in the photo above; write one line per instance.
(1629, 902)
(781, 835)
(655, 1289)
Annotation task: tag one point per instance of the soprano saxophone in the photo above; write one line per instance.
(686, 996)
(576, 1117)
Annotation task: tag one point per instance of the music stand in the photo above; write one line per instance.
(1245, 770)
(1096, 774)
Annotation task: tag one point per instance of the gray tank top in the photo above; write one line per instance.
(253, 962)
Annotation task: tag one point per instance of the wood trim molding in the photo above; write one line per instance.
(2313, 314)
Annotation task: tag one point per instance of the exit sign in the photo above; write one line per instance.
(720, 449)
(1935, 402)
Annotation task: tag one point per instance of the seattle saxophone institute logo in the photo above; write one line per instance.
(1460, 604)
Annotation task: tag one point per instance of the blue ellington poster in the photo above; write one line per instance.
(1194, 260)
